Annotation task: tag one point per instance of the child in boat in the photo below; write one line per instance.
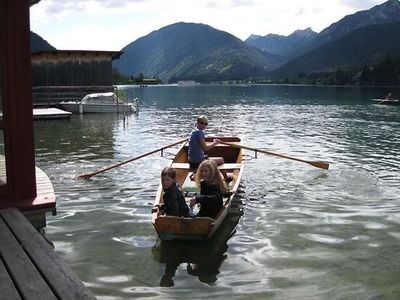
(174, 200)
(212, 187)
(198, 147)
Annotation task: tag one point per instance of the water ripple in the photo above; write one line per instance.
(301, 232)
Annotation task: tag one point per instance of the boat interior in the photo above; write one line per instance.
(171, 227)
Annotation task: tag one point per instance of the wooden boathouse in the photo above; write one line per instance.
(68, 75)
(29, 267)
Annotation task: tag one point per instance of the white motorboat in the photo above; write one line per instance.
(187, 83)
(101, 103)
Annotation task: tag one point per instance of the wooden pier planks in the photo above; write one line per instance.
(35, 270)
(7, 288)
(26, 277)
(45, 190)
(50, 113)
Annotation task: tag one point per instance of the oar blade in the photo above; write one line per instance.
(86, 176)
(319, 164)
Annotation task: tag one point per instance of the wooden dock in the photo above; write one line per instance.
(44, 202)
(29, 267)
(50, 113)
(34, 209)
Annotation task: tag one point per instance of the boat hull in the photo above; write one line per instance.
(197, 228)
(76, 107)
(393, 102)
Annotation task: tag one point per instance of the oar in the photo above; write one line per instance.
(318, 164)
(87, 176)
(382, 101)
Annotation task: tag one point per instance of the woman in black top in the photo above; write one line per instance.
(212, 187)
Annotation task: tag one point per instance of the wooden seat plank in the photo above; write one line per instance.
(62, 280)
(225, 166)
(26, 277)
(8, 290)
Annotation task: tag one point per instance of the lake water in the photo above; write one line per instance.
(294, 231)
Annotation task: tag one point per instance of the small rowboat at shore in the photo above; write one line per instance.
(198, 228)
(394, 102)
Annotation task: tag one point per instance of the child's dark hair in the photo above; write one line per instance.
(168, 171)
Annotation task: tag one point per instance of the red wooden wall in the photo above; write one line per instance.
(16, 89)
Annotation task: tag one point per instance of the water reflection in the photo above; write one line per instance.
(201, 259)
(208, 95)
(84, 136)
(305, 233)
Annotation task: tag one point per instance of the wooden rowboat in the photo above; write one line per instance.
(203, 258)
(198, 228)
(394, 102)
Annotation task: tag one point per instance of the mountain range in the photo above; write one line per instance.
(356, 49)
(196, 52)
(303, 41)
(38, 44)
(280, 44)
(189, 51)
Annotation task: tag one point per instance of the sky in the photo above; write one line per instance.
(112, 24)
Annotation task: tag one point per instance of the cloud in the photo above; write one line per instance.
(243, 3)
(56, 6)
(119, 3)
(228, 4)
(360, 4)
(112, 24)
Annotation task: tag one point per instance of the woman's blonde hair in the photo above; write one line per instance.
(215, 175)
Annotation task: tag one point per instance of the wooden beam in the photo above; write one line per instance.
(17, 100)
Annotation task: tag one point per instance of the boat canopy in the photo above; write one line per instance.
(101, 98)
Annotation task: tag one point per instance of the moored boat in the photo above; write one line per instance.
(100, 103)
(187, 83)
(197, 228)
(394, 102)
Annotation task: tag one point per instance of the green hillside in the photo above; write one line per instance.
(188, 51)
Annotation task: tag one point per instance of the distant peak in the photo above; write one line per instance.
(185, 24)
(303, 32)
(254, 36)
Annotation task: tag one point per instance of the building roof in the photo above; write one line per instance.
(112, 54)
(33, 2)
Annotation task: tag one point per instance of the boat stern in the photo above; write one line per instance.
(180, 228)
